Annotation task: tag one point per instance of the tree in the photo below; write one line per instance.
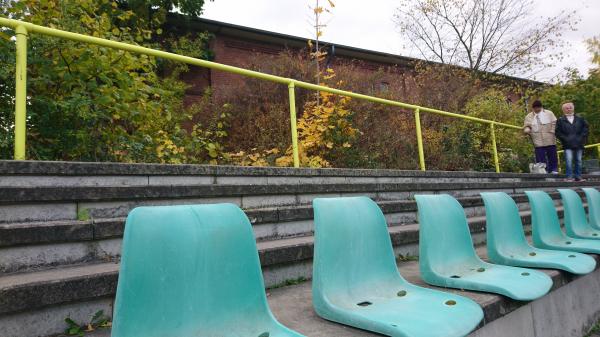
(149, 9)
(318, 25)
(486, 35)
(583, 91)
(88, 102)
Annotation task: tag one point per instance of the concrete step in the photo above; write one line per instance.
(292, 306)
(61, 223)
(26, 204)
(282, 260)
(74, 174)
(40, 245)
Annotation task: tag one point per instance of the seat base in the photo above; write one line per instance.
(571, 244)
(517, 283)
(412, 311)
(572, 262)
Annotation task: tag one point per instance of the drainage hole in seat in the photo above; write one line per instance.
(364, 304)
(525, 274)
(454, 276)
(401, 293)
(532, 254)
(480, 270)
(568, 242)
(594, 234)
(450, 302)
(264, 334)
(394, 325)
(572, 256)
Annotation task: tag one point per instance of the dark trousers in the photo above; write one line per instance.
(547, 154)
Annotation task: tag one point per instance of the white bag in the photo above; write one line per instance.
(537, 168)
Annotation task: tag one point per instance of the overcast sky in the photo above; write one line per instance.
(369, 24)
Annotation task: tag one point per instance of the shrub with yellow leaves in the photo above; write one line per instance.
(324, 128)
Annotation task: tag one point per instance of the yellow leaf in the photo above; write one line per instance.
(331, 3)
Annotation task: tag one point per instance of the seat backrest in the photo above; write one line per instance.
(444, 236)
(593, 200)
(353, 253)
(504, 228)
(189, 270)
(545, 224)
(575, 218)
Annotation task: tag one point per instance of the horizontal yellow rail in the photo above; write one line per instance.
(597, 145)
(24, 28)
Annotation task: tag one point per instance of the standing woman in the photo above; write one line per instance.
(540, 125)
(572, 130)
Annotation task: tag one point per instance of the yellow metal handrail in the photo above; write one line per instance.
(596, 145)
(22, 29)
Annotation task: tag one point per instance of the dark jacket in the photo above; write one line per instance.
(572, 136)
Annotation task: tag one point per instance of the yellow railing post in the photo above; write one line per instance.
(494, 148)
(292, 94)
(419, 140)
(20, 93)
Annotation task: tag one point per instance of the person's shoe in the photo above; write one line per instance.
(570, 180)
(580, 179)
(554, 172)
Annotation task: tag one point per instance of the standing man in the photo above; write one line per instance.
(572, 130)
(540, 125)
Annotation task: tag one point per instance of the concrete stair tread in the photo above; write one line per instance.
(56, 231)
(292, 305)
(273, 252)
(104, 193)
(62, 168)
(56, 274)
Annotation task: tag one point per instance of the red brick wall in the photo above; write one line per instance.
(237, 52)
(231, 51)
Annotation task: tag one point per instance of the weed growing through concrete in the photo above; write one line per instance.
(99, 320)
(291, 282)
(83, 214)
(595, 331)
(407, 258)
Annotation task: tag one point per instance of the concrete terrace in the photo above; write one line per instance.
(61, 226)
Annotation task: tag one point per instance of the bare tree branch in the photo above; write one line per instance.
(497, 36)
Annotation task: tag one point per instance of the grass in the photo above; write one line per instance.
(407, 257)
(594, 331)
(83, 214)
(291, 282)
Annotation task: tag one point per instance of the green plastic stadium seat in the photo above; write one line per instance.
(356, 281)
(447, 257)
(593, 200)
(191, 271)
(576, 222)
(506, 242)
(545, 227)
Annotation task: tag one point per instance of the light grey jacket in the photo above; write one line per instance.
(541, 134)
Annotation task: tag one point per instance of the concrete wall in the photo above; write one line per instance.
(569, 311)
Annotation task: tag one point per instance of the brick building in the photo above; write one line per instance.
(234, 45)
